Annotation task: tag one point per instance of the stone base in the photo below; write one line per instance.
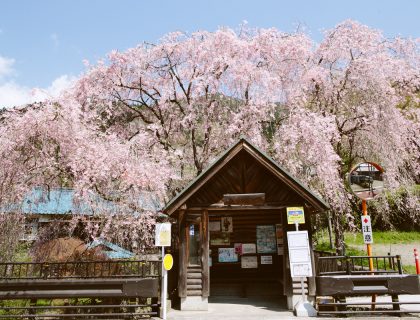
(293, 300)
(195, 303)
(304, 309)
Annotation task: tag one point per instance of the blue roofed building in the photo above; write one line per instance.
(43, 206)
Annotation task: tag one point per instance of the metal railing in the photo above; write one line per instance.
(80, 269)
(358, 265)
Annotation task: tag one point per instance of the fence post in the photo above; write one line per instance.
(348, 265)
(416, 258)
(400, 271)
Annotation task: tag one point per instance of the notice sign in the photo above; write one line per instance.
(367, 230)
(266, 259)
(163, 234)
(249, 262)
(295, 215)
(299, 254)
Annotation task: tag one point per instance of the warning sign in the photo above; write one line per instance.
(367, 230)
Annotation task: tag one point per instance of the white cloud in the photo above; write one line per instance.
(59, 84)
(14, 94)
(6, 67)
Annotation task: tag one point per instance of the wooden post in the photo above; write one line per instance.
(205, 253)
(183, 255)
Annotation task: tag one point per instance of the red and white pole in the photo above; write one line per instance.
(416, 257)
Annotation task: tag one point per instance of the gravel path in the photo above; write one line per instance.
(405, 250)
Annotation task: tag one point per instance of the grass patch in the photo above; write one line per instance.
(384, 237)
(379, 237)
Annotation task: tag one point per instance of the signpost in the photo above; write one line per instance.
(366, 182)
(300, 258)
(299, 255)
(163, 239)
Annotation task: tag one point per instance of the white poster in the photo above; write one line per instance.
(266, 259)
(249, 262)
(249, 248)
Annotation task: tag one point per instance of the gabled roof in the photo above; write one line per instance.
(243, 144)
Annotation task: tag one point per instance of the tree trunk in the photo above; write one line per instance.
(337, 221)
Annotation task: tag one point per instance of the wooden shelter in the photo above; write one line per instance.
(230, 237)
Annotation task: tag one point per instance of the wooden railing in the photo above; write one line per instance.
(80, 269)
(358, 265)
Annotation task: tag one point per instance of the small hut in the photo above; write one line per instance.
(230, 231)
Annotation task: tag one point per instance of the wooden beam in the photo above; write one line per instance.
(183, 258)
(244, 199)
(237, 208)
(205, 254)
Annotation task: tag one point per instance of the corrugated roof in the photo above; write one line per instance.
(63, 201)
(114, 252)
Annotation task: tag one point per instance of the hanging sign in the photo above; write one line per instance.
(163, 234)
(367, 230)
(295, 215)
(299, 254)
(168, 262)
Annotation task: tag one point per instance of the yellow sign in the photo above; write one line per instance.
(168, 262)
(295, 215)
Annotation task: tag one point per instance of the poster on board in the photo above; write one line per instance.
(248, 248)
(266, 239)
(266, 259)
(214, 226)
(249, 262)
(279, 239)
(238, 248)
(226, 224)
(227, 255)
(220, 239)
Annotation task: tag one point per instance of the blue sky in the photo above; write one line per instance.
(43, 43)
